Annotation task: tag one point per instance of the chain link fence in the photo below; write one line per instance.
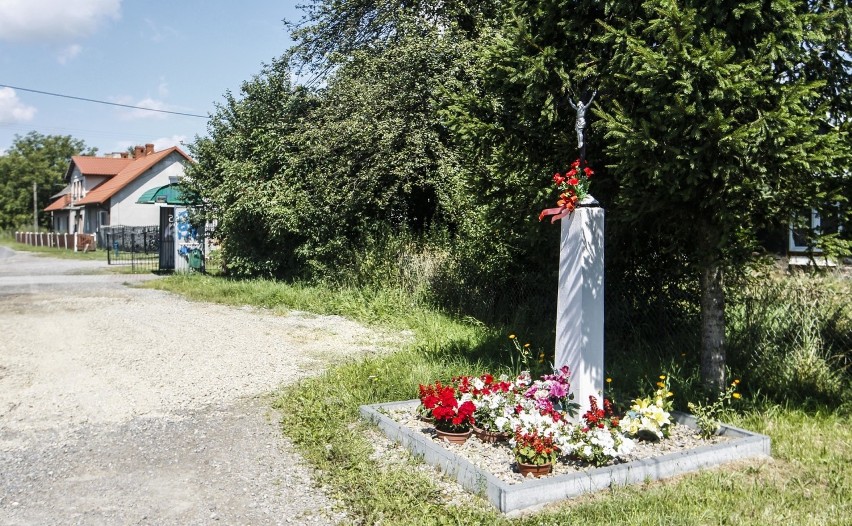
(794, 335)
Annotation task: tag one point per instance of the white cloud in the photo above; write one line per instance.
(54, 20)
(12, 110)
(167, 142)
(130, 114)
(158, 34)
(163, 88)
(69, 53)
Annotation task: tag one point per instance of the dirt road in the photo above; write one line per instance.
(121, 405)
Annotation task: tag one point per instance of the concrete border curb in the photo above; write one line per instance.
(536, 492)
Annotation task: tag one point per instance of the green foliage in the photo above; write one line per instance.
(713, 122)
(300, 181)
(793, 337)
(243, 172)
(745, 139)
(39, 159)
(707, 414)
(430, 133)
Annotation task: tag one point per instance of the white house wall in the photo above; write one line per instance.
(125, 211)
(88, 182)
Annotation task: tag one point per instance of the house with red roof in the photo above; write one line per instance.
(103, 191)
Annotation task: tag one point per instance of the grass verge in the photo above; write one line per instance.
(807, 482)
(53, 252)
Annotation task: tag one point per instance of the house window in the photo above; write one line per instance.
(803, 226)
(806, 225)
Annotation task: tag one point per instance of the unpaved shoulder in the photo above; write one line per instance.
(123, 405)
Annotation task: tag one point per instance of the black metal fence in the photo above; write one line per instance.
(136, 246)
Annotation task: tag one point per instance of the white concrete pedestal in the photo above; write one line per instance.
(580, 303)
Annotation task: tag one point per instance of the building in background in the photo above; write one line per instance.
(104, 191)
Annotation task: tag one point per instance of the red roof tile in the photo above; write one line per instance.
(127, 175)
(90, 165)
(59, 204)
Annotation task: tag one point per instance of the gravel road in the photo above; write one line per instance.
(121, 405)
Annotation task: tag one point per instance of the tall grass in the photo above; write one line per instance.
(792, 336)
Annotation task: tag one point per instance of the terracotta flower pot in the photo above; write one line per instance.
(490, 437)
(534, 470)
(454, 438)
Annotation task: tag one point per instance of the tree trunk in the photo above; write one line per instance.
(712, 328)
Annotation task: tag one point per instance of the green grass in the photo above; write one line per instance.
(807, 481)
(96, 255)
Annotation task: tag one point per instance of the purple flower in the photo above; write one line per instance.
(558, 390)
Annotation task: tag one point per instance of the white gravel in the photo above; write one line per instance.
(121, 405)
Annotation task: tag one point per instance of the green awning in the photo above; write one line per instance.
(170, 194)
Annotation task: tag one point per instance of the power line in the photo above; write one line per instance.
(102, 101)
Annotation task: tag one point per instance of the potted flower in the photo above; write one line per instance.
(494, 401)
(453, 417)
(649, 418)
(598, 440)
(535, 451)
(538, 430)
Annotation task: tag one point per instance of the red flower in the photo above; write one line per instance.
(575, 182)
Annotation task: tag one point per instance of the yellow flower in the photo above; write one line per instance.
(526, 346)
(609, 380)
(662, 377)
(669, 394)
(736, 382)
(511, 336)
(660, 384)
(737, 395)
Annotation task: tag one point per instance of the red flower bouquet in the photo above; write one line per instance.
(573, 187)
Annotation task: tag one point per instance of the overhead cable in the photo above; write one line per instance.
(102, 102)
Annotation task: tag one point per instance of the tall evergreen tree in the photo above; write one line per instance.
(717, 125)
(714, 118)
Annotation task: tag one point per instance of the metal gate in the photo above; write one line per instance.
(137, 246)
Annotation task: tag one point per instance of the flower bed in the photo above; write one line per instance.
(488, 470)
(537, 418)
(543, 437)
(498, 459)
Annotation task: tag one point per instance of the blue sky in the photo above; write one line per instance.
(176, 55)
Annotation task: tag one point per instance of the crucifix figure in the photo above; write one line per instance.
(580, 125)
